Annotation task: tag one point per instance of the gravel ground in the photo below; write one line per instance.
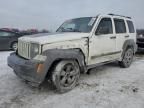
(107, 86)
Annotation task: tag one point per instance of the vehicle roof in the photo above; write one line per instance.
(115, 16)
(8, 31)
(109, 15)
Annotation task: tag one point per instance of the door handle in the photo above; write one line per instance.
(126, 36)
(113, 37)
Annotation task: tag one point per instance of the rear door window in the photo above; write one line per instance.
(120, 26)
(131, 26)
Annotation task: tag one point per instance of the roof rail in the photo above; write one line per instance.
(119, 15)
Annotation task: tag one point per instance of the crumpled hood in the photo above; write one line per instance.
(53, 37)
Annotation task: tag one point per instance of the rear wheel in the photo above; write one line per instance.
(14, 46)
(127, 58)
(65, 75)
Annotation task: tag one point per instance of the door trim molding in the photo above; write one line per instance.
(111, 53)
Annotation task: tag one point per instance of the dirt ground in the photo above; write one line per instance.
(107, 86)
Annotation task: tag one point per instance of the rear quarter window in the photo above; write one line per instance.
(131, 27)
(120, 26)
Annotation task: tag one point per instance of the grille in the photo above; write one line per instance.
(24, 49)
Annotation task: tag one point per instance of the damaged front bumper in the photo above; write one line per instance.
(27, 70)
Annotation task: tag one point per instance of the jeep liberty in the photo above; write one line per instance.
(78, 45)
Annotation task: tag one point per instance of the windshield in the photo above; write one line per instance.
(78, 25)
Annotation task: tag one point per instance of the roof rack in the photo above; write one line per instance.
(119, 15)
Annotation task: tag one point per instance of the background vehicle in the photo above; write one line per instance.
(8, 39)
(140, 40)
(79, 45)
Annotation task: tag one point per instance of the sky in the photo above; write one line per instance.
(50, 14)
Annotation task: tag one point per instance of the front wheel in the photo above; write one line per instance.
(65, 75)
(14, 46)
(127, 58)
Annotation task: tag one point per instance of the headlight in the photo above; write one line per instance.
(35, 48)
(140, 36)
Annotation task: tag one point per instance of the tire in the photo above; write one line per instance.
(14, 46)
(65, 75)
(127, 58)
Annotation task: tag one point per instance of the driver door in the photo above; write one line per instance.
(102, 46)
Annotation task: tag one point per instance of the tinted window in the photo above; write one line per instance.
(130, 26)
(105, 26)
(120, 26)
(4, 34)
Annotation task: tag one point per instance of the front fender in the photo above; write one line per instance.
(62, 54)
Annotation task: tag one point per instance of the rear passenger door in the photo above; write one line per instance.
(121, 33)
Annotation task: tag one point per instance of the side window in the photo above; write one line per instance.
(5, 34)
(105, 27)
(120, 26)
(131, 26)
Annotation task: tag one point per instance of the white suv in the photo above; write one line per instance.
(78, 45)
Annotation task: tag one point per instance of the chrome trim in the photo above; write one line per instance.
(24, 49)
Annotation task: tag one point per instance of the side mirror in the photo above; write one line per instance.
(102, 30)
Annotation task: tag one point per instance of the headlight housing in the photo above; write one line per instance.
(34, 50)
(140, 36)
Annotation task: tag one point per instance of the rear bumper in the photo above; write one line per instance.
(25, 69)
(136, 48)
